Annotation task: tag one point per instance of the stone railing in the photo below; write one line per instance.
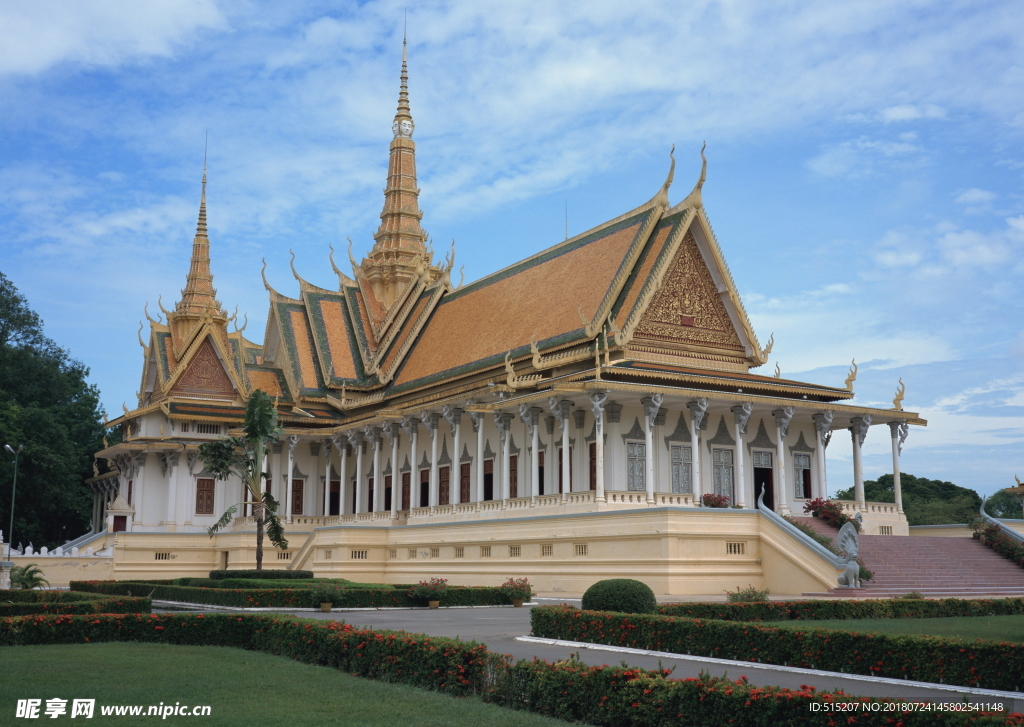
(881, 508)
(673, 498)
(625, 498)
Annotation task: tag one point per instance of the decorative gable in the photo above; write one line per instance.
(688, 309)
(204, 375)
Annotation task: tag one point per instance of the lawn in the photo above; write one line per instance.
(998, 628)
(241, 687)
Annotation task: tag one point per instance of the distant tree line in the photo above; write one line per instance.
(935, 502)
(47, 406)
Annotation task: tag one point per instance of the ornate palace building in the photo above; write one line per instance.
(561, 418)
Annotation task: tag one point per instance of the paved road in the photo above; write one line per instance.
(499, 628)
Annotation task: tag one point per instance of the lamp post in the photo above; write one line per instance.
(14, 488)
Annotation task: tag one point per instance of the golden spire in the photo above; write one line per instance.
(400, 251)
(199, 296)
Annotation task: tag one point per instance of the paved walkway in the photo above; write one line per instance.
(501, 628)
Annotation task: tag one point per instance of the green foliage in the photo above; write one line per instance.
(838, 608)
(280, 575)
(297, 597)
(517, 589)
(431, 590)
(910, 596)
(27, 577)
(623, 595)
(1005, 506)
(746, 595)
(985, 664)
(440, 664)
(333, 593)
(828, 544)
(925, 502)
(47, 406)
(831, 512)
(995, 538)
(23, 603)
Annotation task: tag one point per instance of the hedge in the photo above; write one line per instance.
(280, 575)
(441, 664)
(842, 609)
(23, 603)
(995, 538)
(987, 664)
(631, 697)
(600, 696)
(291, 597)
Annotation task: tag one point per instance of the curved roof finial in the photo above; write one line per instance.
(263, 274)
(160, 302)
(145, 310)
(355, 266)
(662, 195)
(342, 278)
(693, 199)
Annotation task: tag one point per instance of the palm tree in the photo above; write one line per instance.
(243, 456)
(27, 577)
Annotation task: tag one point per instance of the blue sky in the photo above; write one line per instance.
(865, 178)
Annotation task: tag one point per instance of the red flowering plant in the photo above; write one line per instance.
(710, 500)
(829, 511)
(517, 589)
(432, 590)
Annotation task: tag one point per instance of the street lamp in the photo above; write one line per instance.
(14, 488)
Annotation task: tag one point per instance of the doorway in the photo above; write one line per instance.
(764, 478)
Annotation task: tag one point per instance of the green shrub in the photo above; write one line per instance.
(332, 593)
(840, 608)
(517, 589)
(990, 665)
(623, 595)
(219, 575)
(911, 596)
(24, 603)
(746, 595)
(995, 538)
(27, 577)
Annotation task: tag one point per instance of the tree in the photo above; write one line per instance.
(925, 502)
(47, 405)
(244, 456)
(27, 577)
(1004, 505)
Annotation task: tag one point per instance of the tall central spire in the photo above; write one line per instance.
(399, 252)
(199, 297)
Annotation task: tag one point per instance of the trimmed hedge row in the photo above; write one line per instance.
(834, 609)
(991, 665)
(630, 697)
(570, 690)
(441, 664)
(279, 575)
(24, 603)
(995, 538)
(291, 597)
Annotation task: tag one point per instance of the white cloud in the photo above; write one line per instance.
(911, 112)
(975, 196)
(860, 158)
(37, 35)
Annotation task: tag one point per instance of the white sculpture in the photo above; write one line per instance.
(849, 544)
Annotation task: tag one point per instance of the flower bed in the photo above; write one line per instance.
(570, 690)
(990, 665)
(24, 603)
(292, 597)
(816, 610)
(995, 538)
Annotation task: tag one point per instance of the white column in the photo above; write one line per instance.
(393, 431)
(504, 420)
(326, 445)
(533, 423)
(823, 427)
(783, 417)
(430, 421)
(478, 427)
(412, 428)
(899, 430)
(292, 441)
(858, 432)
(741, 415)
(356, 438)
(651, 406)
(455, 479)
(341, 444)
(171, 462)
(563, 409)
(698, 410)
(378, 479)
(597, 403)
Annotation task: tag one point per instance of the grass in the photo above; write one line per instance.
(995, 628)
(242, 688)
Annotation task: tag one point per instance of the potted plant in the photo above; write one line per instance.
(710, 500)
(326, 595)
(517, 590)
(431, 591)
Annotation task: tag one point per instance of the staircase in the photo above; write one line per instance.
(934, 567)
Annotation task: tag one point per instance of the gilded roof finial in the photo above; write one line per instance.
(897, 403)
(693, 199)
(199, 296)
(852, 376)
